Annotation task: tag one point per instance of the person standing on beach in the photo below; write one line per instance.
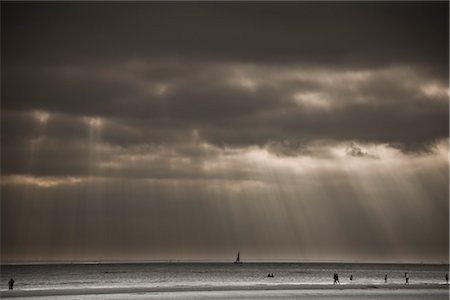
(11, 284)
(385, 278)
(446, 277)
(406, 278)
(351, 277)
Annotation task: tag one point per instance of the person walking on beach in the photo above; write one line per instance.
(11, 284)
(446, 277)
(385, 278)
(336, 278)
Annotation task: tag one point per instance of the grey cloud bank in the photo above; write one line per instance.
(311, 130)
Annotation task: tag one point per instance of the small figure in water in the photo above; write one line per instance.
(351, 277)
(446, 277)
(11, 284)
(270, 275)
(385, 278)
(406, 278)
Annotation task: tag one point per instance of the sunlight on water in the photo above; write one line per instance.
(214, 274)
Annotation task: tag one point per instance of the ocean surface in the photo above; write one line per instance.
(74, 276)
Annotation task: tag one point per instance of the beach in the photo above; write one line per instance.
(224, 281)
(242, 292)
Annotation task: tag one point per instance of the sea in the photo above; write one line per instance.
(129, 275)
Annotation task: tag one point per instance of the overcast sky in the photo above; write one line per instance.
(155, 131)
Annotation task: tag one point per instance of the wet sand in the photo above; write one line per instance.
(394, 291)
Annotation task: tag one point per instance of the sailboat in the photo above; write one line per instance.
(238, 261)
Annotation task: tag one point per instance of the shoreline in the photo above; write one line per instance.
(279, 287)
(220, 262)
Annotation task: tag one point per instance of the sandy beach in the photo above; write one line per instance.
(393, 291)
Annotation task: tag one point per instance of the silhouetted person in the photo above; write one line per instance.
(336, 278)
(385, 278)
(351, 277)
(11, 284)
(446, 277)
(406, 278)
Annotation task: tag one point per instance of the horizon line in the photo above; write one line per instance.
(104, 262)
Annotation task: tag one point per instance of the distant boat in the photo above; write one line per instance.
(238, 260)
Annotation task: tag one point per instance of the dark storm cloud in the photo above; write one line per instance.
(156, 78)
(277, 111)
(356, 151)
(331, 33)
(227, 112)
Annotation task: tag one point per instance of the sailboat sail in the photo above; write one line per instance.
(238, 261)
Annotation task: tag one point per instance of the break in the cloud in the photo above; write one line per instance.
(311, 115)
